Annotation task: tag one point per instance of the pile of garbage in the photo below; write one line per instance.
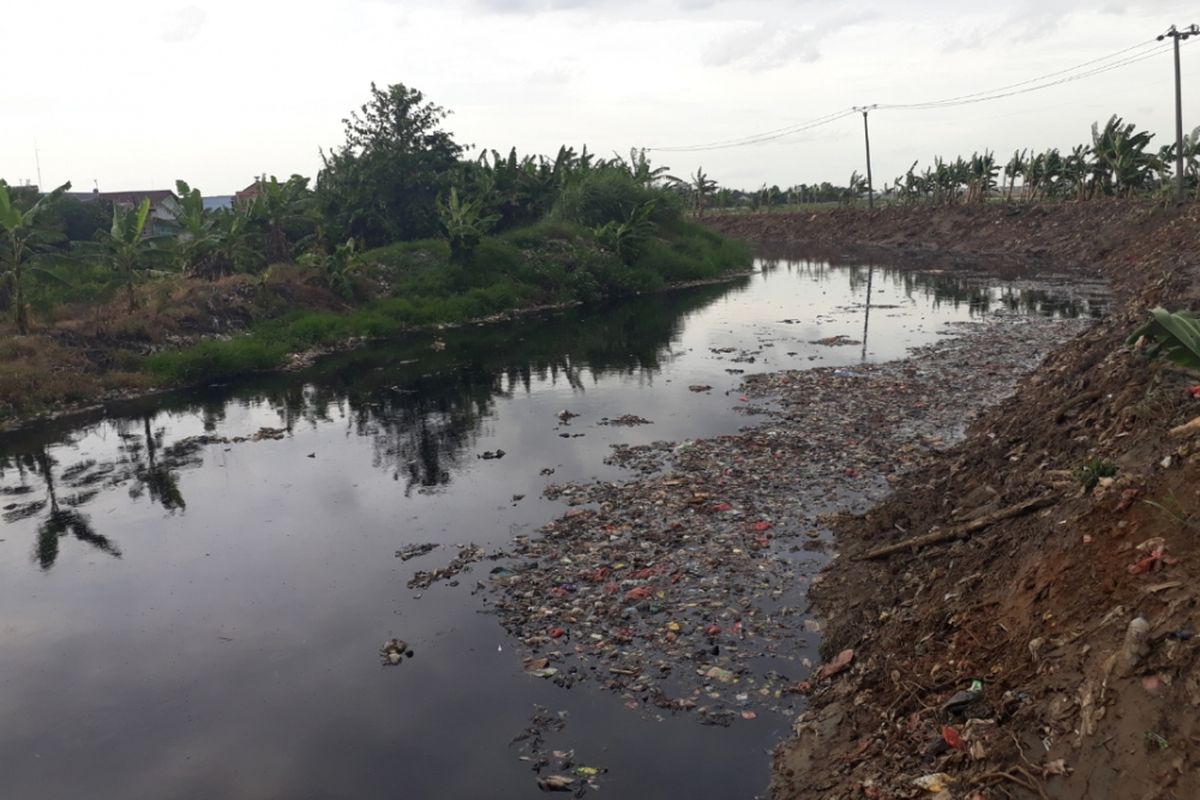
(684, 587)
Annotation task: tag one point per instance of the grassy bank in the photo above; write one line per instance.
(390, 290)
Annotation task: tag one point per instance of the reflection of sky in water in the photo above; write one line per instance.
(224, 645)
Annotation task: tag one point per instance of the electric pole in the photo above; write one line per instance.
(867, 138)
(1178, 36)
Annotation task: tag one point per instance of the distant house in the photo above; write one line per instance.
(248, 195)
(163, 206)
(218, 201)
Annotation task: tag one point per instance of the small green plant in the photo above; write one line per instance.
(1172, 336)
(1155, 740)
(1091, 472)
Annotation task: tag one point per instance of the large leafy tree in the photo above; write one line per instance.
(26, 233)
(382, 184)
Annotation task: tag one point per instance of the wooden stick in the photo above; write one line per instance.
(1185, 429)
(959, 531)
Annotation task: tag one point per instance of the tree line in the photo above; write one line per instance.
(398, 176)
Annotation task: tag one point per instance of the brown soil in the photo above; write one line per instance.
(1035, 605)
(89, 354)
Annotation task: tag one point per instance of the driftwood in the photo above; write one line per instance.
(1186, 428)
(959, 531)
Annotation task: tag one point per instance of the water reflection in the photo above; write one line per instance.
(142, 461)
(422, 410)
(979, 293)
(223, 587)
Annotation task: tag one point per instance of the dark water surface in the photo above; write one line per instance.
(203, 621)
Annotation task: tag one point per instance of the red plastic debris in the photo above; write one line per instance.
(557, 633)
(639, 593)
(1195, 390)
(1149, 563)
(951, 737)
(722, 507)
(839, 664)
(761, 526)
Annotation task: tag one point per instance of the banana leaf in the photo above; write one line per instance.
(1174, 337)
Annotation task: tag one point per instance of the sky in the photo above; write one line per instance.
(132, 96)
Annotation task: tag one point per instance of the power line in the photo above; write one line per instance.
(997, 95)
(1149, 43)
(1098, 66)
(758, 138)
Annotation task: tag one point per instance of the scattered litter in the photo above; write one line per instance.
(415, 550)
(393, 651)
(461, 563)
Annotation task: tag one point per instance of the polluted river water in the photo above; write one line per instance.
(194, 588)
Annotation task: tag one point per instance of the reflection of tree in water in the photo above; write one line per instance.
(980, 295)
(142, 460)
(62, 514)
(157, 473)
(423, 409)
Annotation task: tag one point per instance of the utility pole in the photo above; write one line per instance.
(1178, 36)
(867, 138)
(37, 158)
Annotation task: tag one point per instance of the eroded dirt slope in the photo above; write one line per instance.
(1034, 589)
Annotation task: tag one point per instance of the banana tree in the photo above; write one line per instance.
(234, 243)
(1016, 167)
(464, 223)
(26, 234)
(701, 187)
(1121, 165)
(982, 170)
(128, 248)
(281, 206)
(195, 241)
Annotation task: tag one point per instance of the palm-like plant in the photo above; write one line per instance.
(464, 223)
(234, 244)
(983, 171)
(701, 187)
(280, 206)
(195, 241)
(1014, 169)
(628, 238)
(128, 248)
(26, 234)
(1121, 163)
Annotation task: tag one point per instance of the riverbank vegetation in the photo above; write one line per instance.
(1118, 160)
(400, 229)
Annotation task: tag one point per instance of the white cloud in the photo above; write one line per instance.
(184, 24)
(540, 73)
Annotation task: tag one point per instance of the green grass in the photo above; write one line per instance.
(548, 263)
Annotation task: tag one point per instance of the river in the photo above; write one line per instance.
(186, 617)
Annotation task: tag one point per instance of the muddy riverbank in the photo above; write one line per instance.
(987, 653)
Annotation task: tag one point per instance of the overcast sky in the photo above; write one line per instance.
(135, 95)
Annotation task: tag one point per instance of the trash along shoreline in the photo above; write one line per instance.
(683, 588)
(1017, 618)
